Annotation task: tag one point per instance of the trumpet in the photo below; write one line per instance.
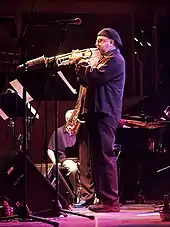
(60, 60)
(33, 62)
(64, 59)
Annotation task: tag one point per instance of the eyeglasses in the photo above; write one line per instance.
(102, 40)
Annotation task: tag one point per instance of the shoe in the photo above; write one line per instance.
(83, 203)
(104, 208)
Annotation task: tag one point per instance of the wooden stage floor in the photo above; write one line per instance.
(130, 215)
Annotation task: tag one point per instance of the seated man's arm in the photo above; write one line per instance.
(51, 155)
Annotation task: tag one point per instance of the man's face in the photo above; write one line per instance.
(104, 44)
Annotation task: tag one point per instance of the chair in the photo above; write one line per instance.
(64, 182)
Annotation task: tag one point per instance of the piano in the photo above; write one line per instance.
(144, 135)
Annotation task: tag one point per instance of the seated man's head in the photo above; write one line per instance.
(68, 114)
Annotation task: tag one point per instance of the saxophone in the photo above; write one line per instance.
(73, 124)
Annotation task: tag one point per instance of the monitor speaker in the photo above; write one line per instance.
(21, 181)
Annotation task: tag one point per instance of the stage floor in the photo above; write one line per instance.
(130, 215)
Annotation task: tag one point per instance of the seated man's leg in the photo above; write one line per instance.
(72, 168)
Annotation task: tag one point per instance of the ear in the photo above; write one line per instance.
(112, 42)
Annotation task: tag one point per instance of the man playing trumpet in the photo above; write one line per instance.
(105, 86)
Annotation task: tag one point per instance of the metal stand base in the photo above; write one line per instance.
(24, 215)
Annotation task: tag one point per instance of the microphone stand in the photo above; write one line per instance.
(57, 206)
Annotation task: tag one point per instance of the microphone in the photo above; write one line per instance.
(75, 21)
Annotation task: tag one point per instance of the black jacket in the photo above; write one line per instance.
(105, 85)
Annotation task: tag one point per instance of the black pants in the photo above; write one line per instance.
(101, 130)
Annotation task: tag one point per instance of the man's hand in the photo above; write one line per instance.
(70, 165)
(75, 57)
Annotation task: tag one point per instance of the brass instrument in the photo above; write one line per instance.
(33, 62)
(63, 59)
(90, 54)
(73, 124)
(60, 60)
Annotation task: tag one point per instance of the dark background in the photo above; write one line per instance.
(147, 69)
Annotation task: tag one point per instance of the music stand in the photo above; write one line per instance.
(61, 75)
(23, 210)
(56, 205)
(12, 106)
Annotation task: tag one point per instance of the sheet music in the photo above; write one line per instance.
(19, 89)
(66, 82)
(33, 111)
(3, 115)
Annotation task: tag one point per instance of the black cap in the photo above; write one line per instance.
(111, 34)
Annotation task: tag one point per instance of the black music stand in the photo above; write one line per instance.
(55, 81)
(12, 106)
(23, 210)
(57, 77)
(8, 115)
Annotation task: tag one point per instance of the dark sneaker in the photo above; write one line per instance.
(104, 208)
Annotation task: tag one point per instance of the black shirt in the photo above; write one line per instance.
(65, 140)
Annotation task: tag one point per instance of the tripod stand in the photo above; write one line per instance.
(23, 211)
(12, 105)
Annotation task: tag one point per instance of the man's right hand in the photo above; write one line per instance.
(70, 165)
(76, 56)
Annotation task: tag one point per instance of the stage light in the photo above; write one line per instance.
(136, 39)
(149, 44)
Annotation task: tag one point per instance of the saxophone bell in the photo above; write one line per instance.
(73, 123)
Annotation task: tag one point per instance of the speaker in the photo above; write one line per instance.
(20, 178)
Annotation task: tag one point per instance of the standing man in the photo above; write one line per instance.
(105, 87)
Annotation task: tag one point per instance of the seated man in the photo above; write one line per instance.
(65, 140)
